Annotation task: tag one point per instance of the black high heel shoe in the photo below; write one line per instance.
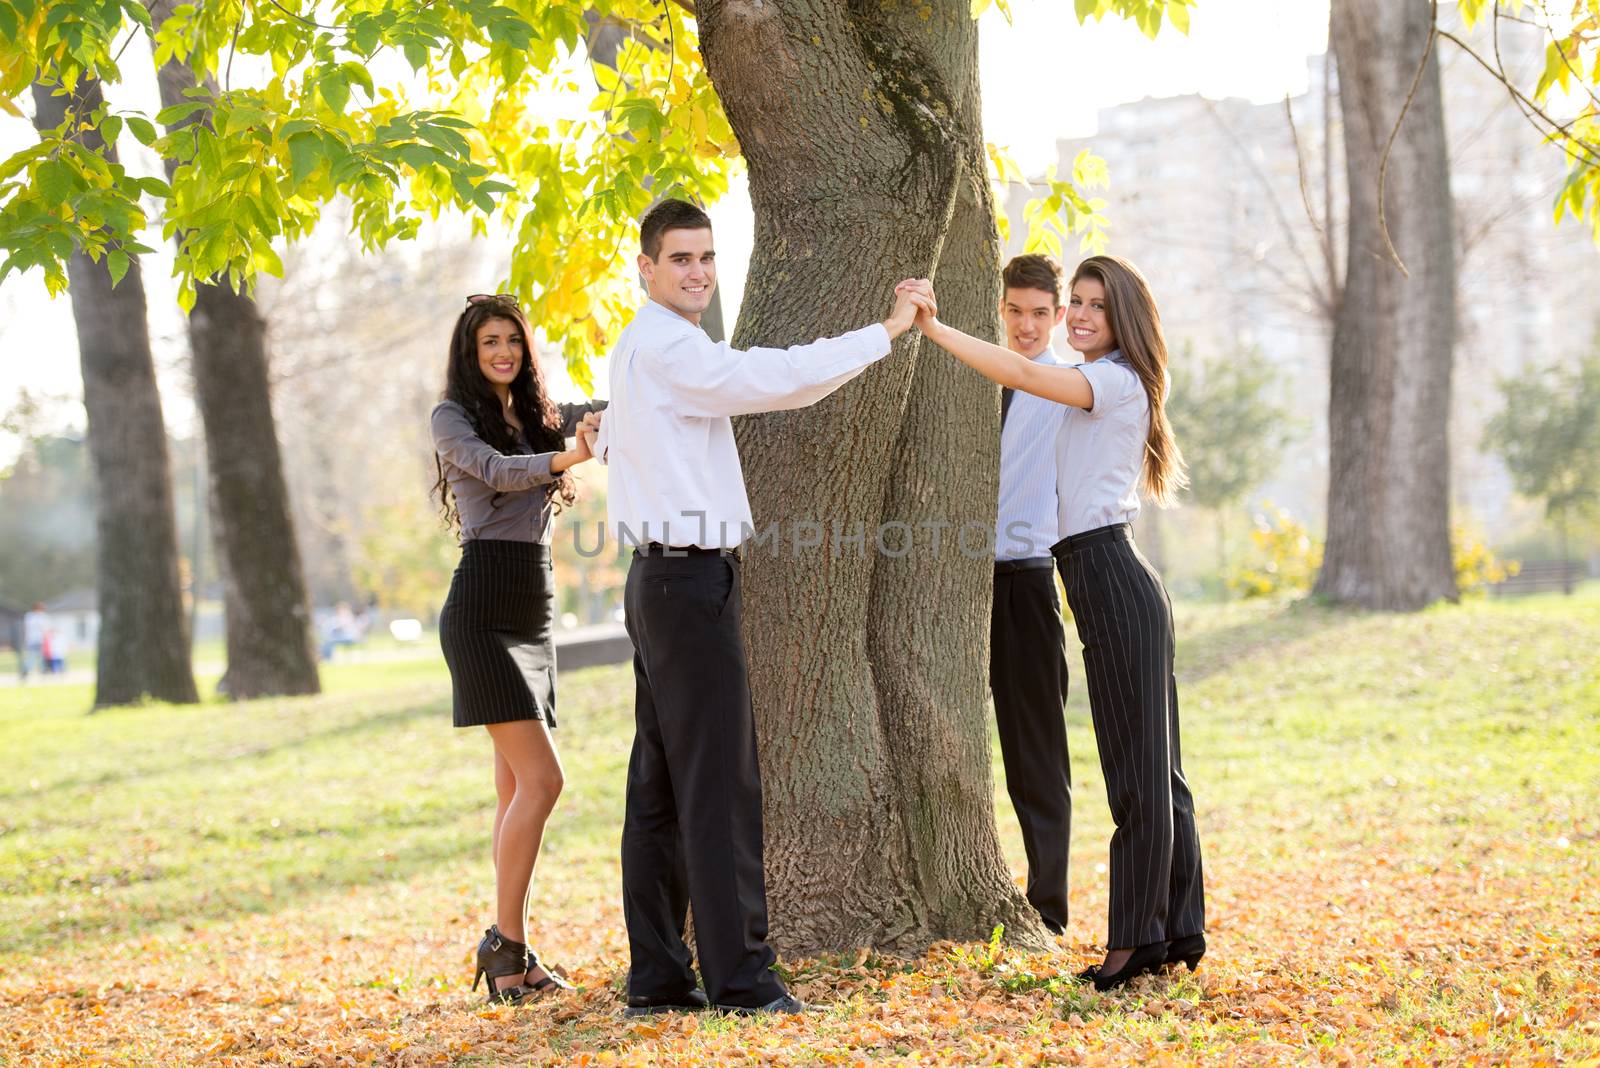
(498, 957)
(1146, 958)
(1187, 950)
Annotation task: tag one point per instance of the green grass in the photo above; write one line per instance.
(1409, 795)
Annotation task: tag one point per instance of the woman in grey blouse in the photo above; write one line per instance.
(1114, 441)
(503, 463)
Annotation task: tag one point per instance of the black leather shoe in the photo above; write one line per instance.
(1146, 958)
(786, 1003)
(693, 1001)
(1187, 950)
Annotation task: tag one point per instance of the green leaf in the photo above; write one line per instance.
(117, 263)
(110, 129)
(178, 112)
(358, 74)
(55, 180)
(418, 157)
(365, 33)
(142, 129)
(335, 89)
(155, 187)
(305, 154)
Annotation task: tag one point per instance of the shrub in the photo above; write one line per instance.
(1284, 557)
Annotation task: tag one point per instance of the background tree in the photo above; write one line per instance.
(268, 617)
(144, 635)
(1388, 542)
(1548, 434)
(1230, 428)
(1388, 511)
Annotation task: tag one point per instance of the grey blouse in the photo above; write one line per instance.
(499, 496)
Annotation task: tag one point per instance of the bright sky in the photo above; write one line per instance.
(1044, 77)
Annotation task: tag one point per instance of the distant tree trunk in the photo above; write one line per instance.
(269, 640)
(869, 671)
(144, 637)
(1388, 541)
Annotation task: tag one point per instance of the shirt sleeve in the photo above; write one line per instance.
(457, 443)
(708, 378)
(1112, 384)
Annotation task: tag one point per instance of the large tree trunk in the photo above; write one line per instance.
(144, 636)
(270, 649)
(869, 667)
(1389, 395)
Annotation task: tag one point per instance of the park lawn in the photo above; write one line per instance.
(1398, 814)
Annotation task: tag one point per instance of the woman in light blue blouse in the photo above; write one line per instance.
(1114, 442)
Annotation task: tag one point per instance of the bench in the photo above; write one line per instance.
(1542, 576)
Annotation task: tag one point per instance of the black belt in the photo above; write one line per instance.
(1037, 563)
(1073, 542)
(655, 548)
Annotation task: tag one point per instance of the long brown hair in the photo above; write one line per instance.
(1136, 328)
(466, 386)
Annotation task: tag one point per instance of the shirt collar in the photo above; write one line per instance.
(655, 307)
(1114, 356)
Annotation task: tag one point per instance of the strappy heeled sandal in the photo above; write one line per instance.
(550, 984)
(498, 957)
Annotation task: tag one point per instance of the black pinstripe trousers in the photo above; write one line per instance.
(691, 831)
(1124, 620)
(1028, 678)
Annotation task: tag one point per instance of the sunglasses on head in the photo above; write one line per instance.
(503, 298)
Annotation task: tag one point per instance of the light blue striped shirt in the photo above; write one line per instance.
(1026, 523)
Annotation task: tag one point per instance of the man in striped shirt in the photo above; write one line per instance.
(1027, 643)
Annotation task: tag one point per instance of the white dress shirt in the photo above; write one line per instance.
(1025, 523)
(667, 437)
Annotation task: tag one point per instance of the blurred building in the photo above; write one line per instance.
(1223, 204)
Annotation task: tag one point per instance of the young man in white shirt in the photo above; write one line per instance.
(1027, 642)
(692, 833)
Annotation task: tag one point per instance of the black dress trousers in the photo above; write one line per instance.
(1028, 679)
(1125, 623)
(691, 832)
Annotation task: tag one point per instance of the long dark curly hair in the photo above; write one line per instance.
(465, 385)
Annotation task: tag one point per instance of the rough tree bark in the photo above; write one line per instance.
(144, 635)
(860, 125)
(269, 642)
(1389, 392)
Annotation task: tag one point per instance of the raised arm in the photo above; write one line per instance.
(1064, 385)
(456, 442)
(708, 378)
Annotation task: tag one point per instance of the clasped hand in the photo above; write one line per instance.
(914, 303)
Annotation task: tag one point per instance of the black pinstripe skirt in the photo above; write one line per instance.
(495, 630)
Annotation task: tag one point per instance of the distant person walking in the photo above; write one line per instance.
(35, 626)
(502, 464)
